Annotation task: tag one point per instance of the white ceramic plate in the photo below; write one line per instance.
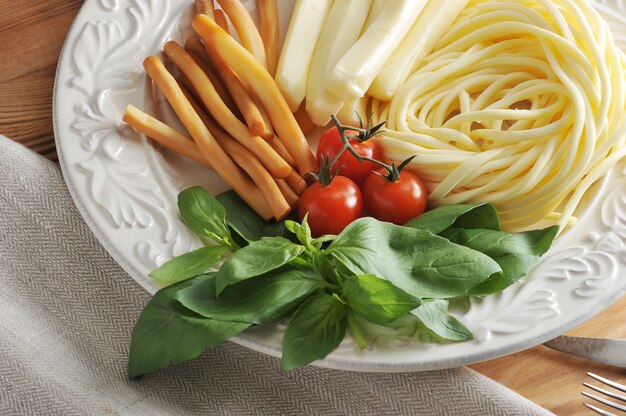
(126, 188)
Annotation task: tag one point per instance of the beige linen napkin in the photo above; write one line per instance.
(67, 312)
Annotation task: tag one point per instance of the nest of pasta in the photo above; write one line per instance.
(521, 104)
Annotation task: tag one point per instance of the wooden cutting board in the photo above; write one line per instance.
(32, 34)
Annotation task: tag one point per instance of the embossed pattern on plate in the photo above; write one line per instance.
(126, 187)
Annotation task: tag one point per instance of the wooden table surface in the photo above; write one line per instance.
(31, 37)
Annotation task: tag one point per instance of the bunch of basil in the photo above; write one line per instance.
(372, 273)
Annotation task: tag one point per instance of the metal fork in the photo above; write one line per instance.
(611, 394)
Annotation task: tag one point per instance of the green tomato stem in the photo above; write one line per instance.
(393, 171)
(347, 146)
(356, 331)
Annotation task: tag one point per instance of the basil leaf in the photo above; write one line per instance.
(462, 216)
(302, 232)
(327, 238)
(483, 216)
(377, 300)
(316, 329)
(245, 222)
(516, 254)
(416, 261)
(204, 214)
(434, 315)
(259, 300)
(166, 333)
(500, 243)
(329, 268)
(189, 265)
(514, 266)
(305, 237)
(258, 258)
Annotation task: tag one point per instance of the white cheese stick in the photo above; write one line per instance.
(351, 110)
(304, 31)
(375, 9)
(356, 70)
(341, 30)
(432, 24)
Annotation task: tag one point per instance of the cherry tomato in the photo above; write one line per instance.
(331, 208)
(396, 202)
(330, 144)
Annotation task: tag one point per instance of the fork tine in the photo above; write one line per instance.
(606, 392)
(608, 382)
(598, 410)
(605, 401)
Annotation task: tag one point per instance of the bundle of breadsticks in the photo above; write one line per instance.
(236, 120)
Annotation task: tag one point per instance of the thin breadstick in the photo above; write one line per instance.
(245, 28)
(266, 89)
(216, 80)
(269, 133)
(280, 149)
(240, 95)
(296, 182)
(303, 120)
(178, 142)
(222, 20)
(193, 44)
(220, 161)
(239, 131)
(268, 186)
(183, 80)
(163, 134)
(270, 32)
(225, 81)
(290, 196)
(205, 7)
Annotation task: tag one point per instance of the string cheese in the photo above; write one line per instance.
(375, 9)
(352, 110)
(341, 30)
(295, 59)
(431, 25)
(352, 76)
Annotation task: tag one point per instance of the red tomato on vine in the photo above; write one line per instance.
(331, 208)
(347, 165)
(395, 196)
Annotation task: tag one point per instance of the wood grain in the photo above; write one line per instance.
(554, 380)
(32, 34)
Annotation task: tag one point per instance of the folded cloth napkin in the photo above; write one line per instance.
(67, 312)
